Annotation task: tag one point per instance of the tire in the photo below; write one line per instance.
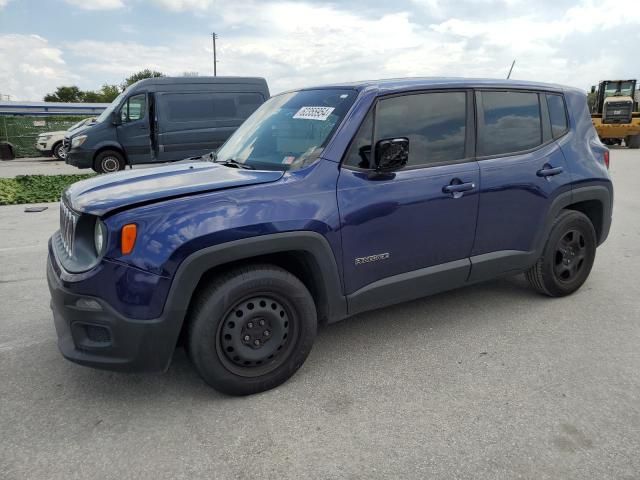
(108, 161)
(567, 257)
(260, 303)
(633, 141)
(59, 152)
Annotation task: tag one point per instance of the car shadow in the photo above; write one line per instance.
(367, 331)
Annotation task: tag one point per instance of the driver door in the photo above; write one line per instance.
(134, 133)
(410, 233)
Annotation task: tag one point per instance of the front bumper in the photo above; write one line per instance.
(96, 335)
(42, 147)
(80, 158)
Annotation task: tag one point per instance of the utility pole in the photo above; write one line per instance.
(509, 75)
(214, 36)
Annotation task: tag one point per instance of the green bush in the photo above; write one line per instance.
(35, 188)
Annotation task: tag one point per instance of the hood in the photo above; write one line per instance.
(80, 129)
(53, 134)
(104, 193)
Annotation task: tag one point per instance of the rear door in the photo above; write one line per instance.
(421, 216)
(134, 133)
(522, 169)
(195, 123)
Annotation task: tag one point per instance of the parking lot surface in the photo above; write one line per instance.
(491, 381)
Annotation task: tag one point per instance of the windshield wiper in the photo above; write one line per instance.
(230, 162)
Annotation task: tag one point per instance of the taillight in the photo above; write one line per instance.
(606, 159)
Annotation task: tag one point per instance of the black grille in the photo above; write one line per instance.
(68, 223)
(617, 112)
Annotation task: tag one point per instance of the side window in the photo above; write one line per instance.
(557, 114)
(508, 122)
(206, 106)
(360, 151)
(134, 109)
(434, 123)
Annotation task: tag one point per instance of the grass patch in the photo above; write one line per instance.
(35, 188)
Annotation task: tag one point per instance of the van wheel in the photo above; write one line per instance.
(633, 141)
(251, 329)
(108, 161)
(59, 152)
(567, 257)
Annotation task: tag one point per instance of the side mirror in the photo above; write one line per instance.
(115, 118)
(391, 154)
(593, 89)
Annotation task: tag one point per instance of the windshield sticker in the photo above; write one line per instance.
(314, 113)
(288, 160)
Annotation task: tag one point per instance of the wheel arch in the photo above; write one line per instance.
(307, 255)
(110, 146)
(594, 201)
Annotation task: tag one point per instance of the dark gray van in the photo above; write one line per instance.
(165, 119)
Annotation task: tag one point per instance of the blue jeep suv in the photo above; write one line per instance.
(327, 202)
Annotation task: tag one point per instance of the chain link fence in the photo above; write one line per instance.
(21, 131)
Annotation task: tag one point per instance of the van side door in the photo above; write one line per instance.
(191, 124)
(522, 170)
(409, 233)
(134, 131)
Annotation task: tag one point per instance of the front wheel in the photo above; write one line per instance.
(251, 329)
(567, 257)
(633, 141)
(108, 161)
(59, 152)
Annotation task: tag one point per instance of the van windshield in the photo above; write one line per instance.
(112, 106)
(288, 131)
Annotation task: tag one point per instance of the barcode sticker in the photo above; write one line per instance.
(314, 113)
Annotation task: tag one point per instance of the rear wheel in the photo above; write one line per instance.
(108, 161)
(251, 329)
(633, 141)
(59, 152)
(568, 256)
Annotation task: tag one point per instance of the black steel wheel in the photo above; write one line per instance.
(251, 329)
(254, 337)
(568, 256)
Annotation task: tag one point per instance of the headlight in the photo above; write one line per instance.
(44, 138)
(77, 141)
(100, 237)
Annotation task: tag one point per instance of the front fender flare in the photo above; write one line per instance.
(192, 269)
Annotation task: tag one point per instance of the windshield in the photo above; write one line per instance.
(621, 89)
(288, 131)
(112, 106)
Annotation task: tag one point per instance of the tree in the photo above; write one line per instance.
(65, 94)
(105, 95)
(146, 73)
(109, 93)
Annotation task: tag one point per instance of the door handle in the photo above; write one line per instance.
(457, 188)
(549, 171)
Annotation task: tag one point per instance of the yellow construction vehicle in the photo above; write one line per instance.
(615, 112)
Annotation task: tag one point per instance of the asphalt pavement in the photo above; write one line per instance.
(492, 381)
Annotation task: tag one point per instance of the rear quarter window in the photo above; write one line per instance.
(557, 114)
(508, 122)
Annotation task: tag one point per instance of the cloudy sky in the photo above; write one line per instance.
(44, 44)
